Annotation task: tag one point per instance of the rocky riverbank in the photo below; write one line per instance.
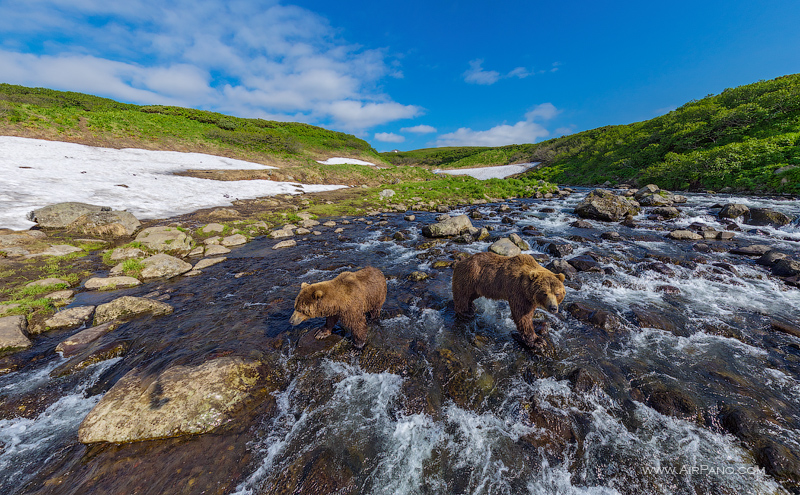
(191, 358)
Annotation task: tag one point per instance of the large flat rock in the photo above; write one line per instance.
(181, 400)
(165, 239)
(12, 332)
(129, 307)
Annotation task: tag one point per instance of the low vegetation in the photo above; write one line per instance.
(746, 138)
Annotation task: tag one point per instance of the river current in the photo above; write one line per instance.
(441, 404)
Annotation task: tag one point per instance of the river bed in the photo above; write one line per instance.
(441, 404)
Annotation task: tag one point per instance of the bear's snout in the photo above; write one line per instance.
(552, 307)
(297, 318)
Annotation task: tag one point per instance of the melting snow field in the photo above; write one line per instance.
(484, 173)
(37, 173)
(343, 161)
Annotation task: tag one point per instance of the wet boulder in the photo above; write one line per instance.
(770, 257)
(668, 400)
(449, 227)
(318, 470)
(109, 283)
(516, 239)
(505, 247)
(652, 195)
(684, 235)
(129, 307)
(581, 224)
(594, 316)
(650, 317)
(563, 266)
(75, 343)
(12, 332)
(181, 400)
(752, 250)
(585, 263)
(559, 249)
(786, 268)
(766, 216)
(601, 204)
(666, 211)
(733, 211)
(234, 240)
(122, 254)
(165, 239)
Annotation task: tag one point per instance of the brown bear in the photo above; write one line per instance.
(348, 296)
(520, 280)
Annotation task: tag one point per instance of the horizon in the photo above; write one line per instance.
(408, 76)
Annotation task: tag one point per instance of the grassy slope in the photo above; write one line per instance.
(736, 139)
(86, 119)
(76, 117)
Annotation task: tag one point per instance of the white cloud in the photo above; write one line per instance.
(520, 72)
(476, 74)
(251, 58)
(525, 131)
(419, 129)
(389, 137)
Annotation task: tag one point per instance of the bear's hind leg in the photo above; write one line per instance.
(463, 303)
(359, 328)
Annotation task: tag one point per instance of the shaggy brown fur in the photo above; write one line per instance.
(348, 296)
(520, 280)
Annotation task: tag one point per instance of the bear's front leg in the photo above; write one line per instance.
(325, 331)
(523, 318)
(358, 325)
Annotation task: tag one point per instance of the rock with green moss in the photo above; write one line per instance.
(181, 400)
(448, 227)
(163, 266)
(601, 204)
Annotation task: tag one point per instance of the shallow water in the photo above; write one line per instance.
(439, 404)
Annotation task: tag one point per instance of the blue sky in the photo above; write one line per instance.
(409, 74)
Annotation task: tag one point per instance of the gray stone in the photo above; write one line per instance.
(449, 227)
(69, 318)
(277, 234)
(646, 190)
(56, 250)
(128, 307)
(309, 223)
(205, 263)
(212, 241)
(47, 282)
(752, 250)
(605, 205)
(387, 193)
(302, 231)
(181, 400)
(684, 235)
(196, 252)
(666, 211)
(733, 210)
(75, 343)
(214, 250)
(60, 295)
(329, 223)
(770, 257)
(62, 214)
(786, 268)
(106, 223)
(163, 265)
(213, 228)
(8, 307)
(12, 332)
(766, 216)
(563, 266)
(516, 239)
(233, 240)
(165, 239)
(505, 247)
(285, 244)
(660, 198)
(410, 218)
(122, 254)
(108, 283)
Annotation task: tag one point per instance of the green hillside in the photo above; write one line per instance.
(746, 138)
(76, 117)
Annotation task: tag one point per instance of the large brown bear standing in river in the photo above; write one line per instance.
(348, 296)
(520, 280)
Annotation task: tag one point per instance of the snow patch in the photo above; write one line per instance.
(38, 173)
(341, 161)
(484, 173)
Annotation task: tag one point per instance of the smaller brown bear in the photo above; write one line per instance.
(348, 296)
(520, 280)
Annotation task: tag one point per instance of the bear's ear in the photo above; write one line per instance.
(318, 294)
(561, 276)
(303, 285)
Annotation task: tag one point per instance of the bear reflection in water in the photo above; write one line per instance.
(347, 297)
(520, 280)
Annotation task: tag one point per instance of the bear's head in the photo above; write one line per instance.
(307, 303)
(549, 289)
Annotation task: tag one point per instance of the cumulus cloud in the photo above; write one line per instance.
(525, 131)
(389, 137)
(476, 74)
(244, 57)
(419, 129)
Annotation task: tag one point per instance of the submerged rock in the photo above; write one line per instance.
(604, 205)
(181, 400)
(69, 318)
(74, 344)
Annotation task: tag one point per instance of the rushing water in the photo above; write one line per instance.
(439, 404)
